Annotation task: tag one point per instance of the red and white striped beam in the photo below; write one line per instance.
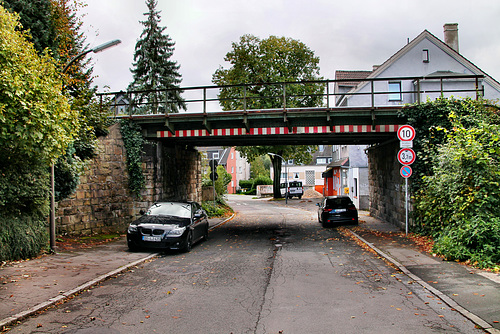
(279, 131)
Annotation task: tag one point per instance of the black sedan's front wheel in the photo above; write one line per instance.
(189, 243)
(132, 247)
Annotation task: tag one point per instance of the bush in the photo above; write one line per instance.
(22, 237)
(458, 200)
(261, 180)
(217, 210)
(251, 185)
(246, 184)
(476, 241)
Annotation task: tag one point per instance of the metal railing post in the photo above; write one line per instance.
(418, 91)
(328, 94)
(245, 99)
(204, 100)
(284, 96)
(372, 93)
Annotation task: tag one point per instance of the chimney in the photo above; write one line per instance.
(451, 35)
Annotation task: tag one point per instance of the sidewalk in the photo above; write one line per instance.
(472, 292)
(27, 287)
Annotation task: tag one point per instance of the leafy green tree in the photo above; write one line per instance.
(35, 18)
(260, 167)
(272, 60)
(37, 125)
(456, 191)
(462, 197)
(153, 68)
(36, 121)
(54, 26)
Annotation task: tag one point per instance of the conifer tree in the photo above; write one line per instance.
(153, 70)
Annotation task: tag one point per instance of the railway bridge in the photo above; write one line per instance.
(332, 121)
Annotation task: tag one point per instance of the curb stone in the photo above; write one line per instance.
(450, 302)
(67, 294)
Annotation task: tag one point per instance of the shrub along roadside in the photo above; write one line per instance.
(457, 193)
(217, 210)
(251, 185)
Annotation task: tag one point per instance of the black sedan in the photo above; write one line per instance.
(169, 225)
(337, 210)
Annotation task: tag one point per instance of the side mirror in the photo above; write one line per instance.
(197, 215)
(142, 212)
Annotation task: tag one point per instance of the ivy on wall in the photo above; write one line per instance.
(133, 141)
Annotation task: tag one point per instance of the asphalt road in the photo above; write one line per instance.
(271, 269)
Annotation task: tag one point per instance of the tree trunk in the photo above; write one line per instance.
(276, 161)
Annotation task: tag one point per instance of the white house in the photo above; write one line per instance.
(428, 57)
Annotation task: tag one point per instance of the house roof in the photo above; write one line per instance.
(441, 45)
(335, 164)
(355, 76)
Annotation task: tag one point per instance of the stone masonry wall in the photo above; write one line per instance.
(387, 187)
(102, 202)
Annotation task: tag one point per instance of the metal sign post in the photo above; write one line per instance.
(406, 172)
(406, 156)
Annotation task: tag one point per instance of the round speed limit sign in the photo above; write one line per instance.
(406, 156)
(406, 133)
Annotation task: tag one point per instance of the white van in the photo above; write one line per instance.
(295, 188)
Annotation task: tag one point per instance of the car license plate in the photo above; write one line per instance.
(339, 210)
(150, 238)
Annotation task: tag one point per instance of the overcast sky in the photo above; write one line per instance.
(346, 35)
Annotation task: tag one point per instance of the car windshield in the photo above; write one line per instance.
(182, 210)
(333, 203)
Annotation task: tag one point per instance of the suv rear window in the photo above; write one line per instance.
(335, 203)
(295, 184)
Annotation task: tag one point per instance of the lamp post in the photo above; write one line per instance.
(52, 218)
(286, 173)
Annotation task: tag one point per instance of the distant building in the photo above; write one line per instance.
(233, 162)
(311, 174)
(120, 103)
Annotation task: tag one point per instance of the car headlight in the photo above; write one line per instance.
(132, 228)
(177, 231)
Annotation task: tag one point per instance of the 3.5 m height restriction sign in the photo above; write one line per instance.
(406, 156)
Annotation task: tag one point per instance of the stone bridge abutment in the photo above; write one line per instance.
(387, 186)
(102, 201)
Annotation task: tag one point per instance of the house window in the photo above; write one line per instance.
(395, 91)
(215, 155)
(232, 170)
(323, 160)
(283, 176)
(290, 162)
(425, 55)
(321, 148)
(232, 156)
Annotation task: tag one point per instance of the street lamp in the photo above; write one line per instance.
(52, 219)
(286, 173)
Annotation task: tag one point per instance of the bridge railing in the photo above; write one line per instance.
(330, 94)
